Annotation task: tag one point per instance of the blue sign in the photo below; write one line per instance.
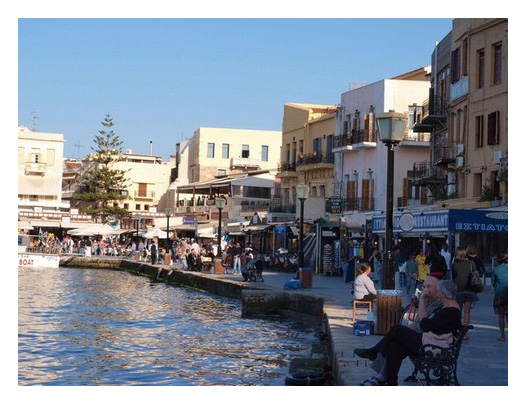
(484, 221)
(280, 229)
(414, 222)
(456, 220)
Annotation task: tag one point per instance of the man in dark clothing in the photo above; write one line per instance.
(153, 252)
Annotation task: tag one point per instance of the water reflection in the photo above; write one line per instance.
(102, 327)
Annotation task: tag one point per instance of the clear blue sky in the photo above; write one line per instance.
(160, 79)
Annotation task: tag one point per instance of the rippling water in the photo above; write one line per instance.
(103, 327)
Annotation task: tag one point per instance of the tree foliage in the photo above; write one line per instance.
(102, 185)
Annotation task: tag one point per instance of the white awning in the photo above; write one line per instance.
(45, 223)
(24, 224)
(75, 225)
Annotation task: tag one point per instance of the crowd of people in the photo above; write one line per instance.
(445, 303)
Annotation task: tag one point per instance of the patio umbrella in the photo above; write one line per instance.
(156, 232)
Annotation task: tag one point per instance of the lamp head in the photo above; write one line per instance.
(302, 191)
(391, 126)
(219, 203)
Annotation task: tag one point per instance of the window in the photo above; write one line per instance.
(210, 150)
(497, 64)
(479, 131)
(143, 190)
(245, 151)
(493, 128)
(126, 206)
(264, 153)
(480, 68)
(225, 150)
(316, 145)
(455, 65)
(146, 207)
(137, 207)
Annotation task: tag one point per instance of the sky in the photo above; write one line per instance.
(161, 79)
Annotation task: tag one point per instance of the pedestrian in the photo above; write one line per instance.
(375, 262)
(237, 264)
(499, 280)
(364, 289)
(472, 254)
(461, 268)
(411, 271)
(447, 256)
(436, 262)
(153, 252)
(422, 267)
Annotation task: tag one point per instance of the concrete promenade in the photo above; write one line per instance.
(483, 359)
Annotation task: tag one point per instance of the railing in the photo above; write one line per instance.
(354, 137)
(444, 150)
(424, 171)
(253, 206)
(358, 204)
(283, 208)
(35, 168)
(150, 194)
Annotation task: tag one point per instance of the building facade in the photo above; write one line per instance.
(218, 152)
(307, 157)
(360, 169)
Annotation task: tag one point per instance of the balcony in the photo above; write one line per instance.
(315, 161)
(145, 195)
(444, 152)
(426, 175)
(254, 206)
(432, 118)
(34, 168)
(358, 204)
(244, 163)
(354, 140)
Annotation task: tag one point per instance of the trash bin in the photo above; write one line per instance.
(168, 259)
(137, 255)
(305, 276)
(218, 266)
(389, 307)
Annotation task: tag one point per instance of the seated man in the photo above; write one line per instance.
(402, 341)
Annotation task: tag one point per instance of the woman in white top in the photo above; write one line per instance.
(364, 287)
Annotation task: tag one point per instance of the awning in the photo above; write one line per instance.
(253, 228)
(24, 224)
(45, 223)
(75, 225)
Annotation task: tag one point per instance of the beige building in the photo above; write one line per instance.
(307, 157)
(219, 152)
(40, 170)
(478, 119)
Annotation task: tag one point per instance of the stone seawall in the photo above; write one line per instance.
(256, 300)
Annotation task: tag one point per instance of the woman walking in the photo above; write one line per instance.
(500, 287)
(461, 268)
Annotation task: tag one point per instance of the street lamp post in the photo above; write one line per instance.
(168, 212)
(302, 195)
(137, 218)
(391, 127)
(220, 203)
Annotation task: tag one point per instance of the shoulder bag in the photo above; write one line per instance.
(474, 282)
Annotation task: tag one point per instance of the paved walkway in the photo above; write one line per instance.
(483, 359)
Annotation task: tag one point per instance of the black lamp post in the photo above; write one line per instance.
(220, 203)
(168, 213)
(302, 195)
(391, 127)
(137, 218)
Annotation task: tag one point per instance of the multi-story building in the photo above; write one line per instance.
(307, 157)
(218, 151)
(360, 176)
(40, 177)
(468, 116)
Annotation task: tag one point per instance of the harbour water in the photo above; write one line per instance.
(105, 327)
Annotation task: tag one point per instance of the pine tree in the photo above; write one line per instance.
(102, 185)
